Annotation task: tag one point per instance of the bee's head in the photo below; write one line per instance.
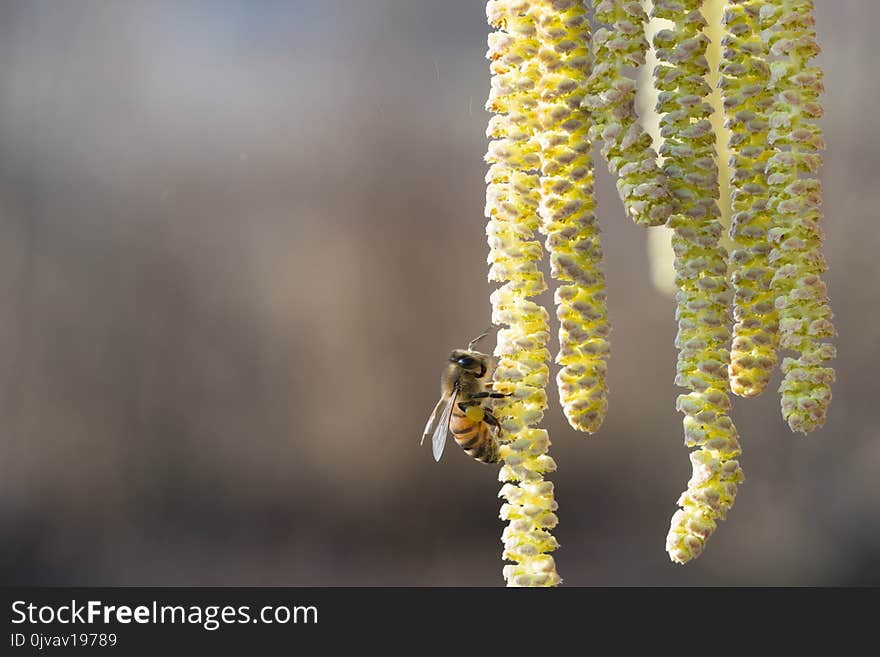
(473, 362)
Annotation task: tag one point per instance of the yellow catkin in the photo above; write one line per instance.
(621, 42)
(568, 211)
(713, 12)
(795, 199)
(745, 78)
(512, 200)
(659, 238)
(701, 277)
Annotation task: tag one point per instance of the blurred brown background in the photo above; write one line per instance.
(238, 239)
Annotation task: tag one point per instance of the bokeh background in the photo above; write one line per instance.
(237, 241)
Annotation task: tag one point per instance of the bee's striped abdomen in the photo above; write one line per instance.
(475, 437)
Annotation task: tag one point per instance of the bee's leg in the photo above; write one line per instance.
(490, 419)
(493, 395)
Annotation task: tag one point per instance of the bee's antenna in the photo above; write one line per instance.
(479, 337)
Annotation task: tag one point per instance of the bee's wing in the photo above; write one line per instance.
(432, 421)
(439, 439)
(438, 424)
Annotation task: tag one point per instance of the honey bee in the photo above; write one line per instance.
(464, 386)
